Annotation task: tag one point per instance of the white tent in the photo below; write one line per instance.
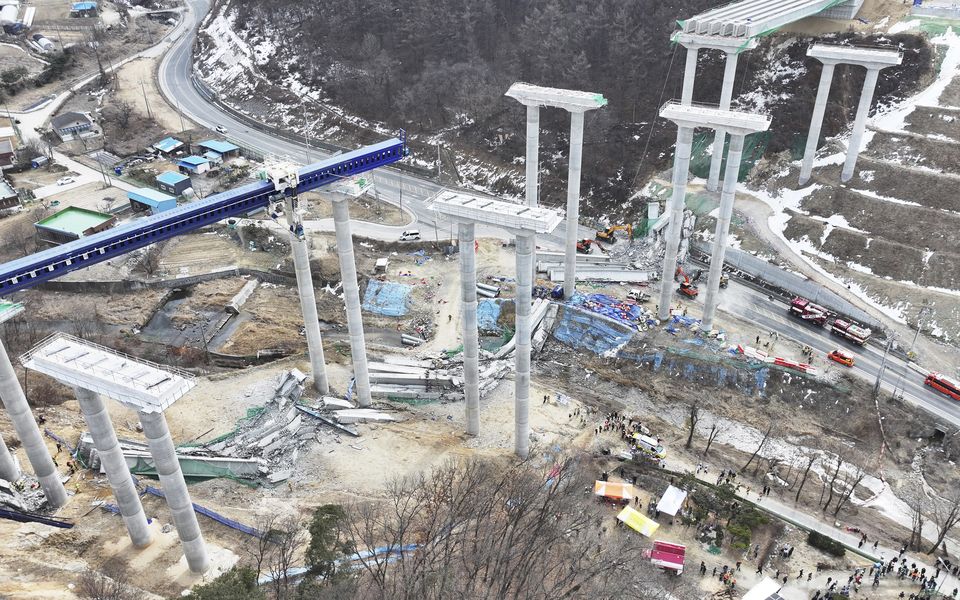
(671, 501)
(765, 590)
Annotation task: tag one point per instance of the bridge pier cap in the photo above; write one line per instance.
(702, 115)
(699, 41)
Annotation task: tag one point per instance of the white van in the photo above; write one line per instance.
(410, 235)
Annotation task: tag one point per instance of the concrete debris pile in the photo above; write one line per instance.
(275, 435)
(601, 267)
(23, 495)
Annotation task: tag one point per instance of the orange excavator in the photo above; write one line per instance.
(583, 246)
(608, 235)
(686, 286)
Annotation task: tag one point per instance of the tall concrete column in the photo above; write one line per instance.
(471, 337)
(533, 154)
(723, 228)
(720, 135)
(8, 466)
(351, 297)
(11, 394)
(573, 205)
(118, 474)
(175, 489)
(525, 246)
(816, 122)
(681, 164)
(859, 124)
(308, 304)
(689, 75)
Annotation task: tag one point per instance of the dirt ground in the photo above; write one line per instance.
(12, 57)
(136, 79)
(128, 311)
(365, 208)
(879, 14)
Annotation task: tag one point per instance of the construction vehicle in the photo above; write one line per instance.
(724, 280)
(638, 296)
(583, 246)
(686, 286)
(850, 331)
(841, 357)
(608, 235)
(808, 311)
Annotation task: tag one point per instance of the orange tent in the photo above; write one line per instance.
(615, 490)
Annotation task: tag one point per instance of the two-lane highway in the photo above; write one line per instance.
(176, 70)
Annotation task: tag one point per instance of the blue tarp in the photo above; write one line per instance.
(488, 312)
(579, 328)
(386, 298)
(608, 306)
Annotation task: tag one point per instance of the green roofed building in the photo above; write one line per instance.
(73, 223)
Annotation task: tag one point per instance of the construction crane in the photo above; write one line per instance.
(686, 286)
(55, 262)
(608, 235)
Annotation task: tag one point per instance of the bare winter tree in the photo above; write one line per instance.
(694, 419)
(259, 548)
(289, 537)
(916, 499)
(830, 486)
(474, 529)
(712, 435)
(849, 485)
(109, 583)
(811, 458)
(763, 442)
(946, 515)
(150, 260)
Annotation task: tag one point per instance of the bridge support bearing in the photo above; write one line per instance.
(14, 401)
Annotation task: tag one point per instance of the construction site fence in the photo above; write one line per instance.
(949, 12)
(113, 287)
(784, 283)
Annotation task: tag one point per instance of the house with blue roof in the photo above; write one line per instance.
(173, 183)
(168, 145)
(224, 149)
(83, 9)
(194, 164)
(142, 199)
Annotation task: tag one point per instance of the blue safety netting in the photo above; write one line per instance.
(624, 312)
(580, 328)
(386, 298)
(488, 313)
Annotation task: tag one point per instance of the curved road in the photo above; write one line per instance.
(745, 303)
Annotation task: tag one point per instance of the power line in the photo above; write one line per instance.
(663, 89)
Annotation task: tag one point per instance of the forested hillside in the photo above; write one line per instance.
(440, 69)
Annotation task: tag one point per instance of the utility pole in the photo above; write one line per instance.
(145, 101)
(180, 113)
(883, 364)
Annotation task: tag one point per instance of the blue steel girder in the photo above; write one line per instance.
(49, 264)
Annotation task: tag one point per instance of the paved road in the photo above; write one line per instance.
(175, 72)
(394, 186)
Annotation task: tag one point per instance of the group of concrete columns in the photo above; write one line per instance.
(859, 122)
(351, 297)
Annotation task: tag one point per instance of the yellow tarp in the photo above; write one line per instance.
(638, 521)
(613, 489)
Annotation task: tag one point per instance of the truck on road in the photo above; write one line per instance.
(850, 331)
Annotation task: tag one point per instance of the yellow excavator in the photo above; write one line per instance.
(608, 235)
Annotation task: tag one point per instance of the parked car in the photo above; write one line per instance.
(410, 235)
(66, 180)
(841, 357)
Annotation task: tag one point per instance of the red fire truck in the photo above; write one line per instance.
(850, 331)
(808, 311)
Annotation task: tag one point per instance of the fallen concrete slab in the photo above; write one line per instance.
(362, 415)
